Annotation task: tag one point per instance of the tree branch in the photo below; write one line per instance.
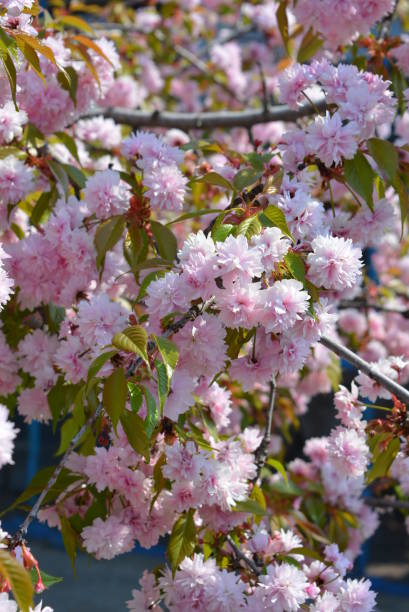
(191, 315)
(249, 562)
(205, 120)
(380, 502)
(261, 452)
(361, 303)
(400, 392)
(21, 532)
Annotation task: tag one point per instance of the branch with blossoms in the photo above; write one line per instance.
(172, 305)
(205, 120)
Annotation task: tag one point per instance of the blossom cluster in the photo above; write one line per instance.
(174, 341)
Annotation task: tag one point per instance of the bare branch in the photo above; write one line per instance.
(249, 562)
(20, 534)
(261, 452)
(381, 502)
(362, 303)
(400, 392)
(205, 120)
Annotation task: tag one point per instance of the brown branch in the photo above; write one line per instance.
(361, 303)
(261, 452)
(364, 366)
(395, 504)
(249, 562)
(204, 120)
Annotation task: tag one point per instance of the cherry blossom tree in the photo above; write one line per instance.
(203, 210)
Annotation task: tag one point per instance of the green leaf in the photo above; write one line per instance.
(114, 395)
(75, 22)
(310, 44)
(18, 578)
(278, 466)
(149, 278)
(60, 175)
(306, 552)
(165, 241)
(69, 538)
(402, 192)
(163, 383)
(47, 580)
(77, 177)
(249, 227)
(219, 234)
(108, 233)
(258, 160)
(360, 176)
(40, 480)
(60, 398)
(68, 80)
(136, 246)
(55, 316)
(152, 413)
(97, 364)
(281, 16)
(169, 353)
(133, 339)
(182, 540)
(135, 396)
(385, 155)
(194, 214)
(69, 429)
(384, 461)
(134, 428)
(10, 70)
(249, 505)
(69, 142)
(31, 57)
(316, 510)
(334, 372)
(43, 205)
(245, 178)
(272, 216)
(296, 266)
(213, 178)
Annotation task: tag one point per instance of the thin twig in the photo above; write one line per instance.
(261, 452)
(263, 86)
(380, 502)
(205, 120)
(21, 532)
(249, 562)
(400, 392)
(364, 304)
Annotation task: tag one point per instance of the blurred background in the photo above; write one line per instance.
(105, 586)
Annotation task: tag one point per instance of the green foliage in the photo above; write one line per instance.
(133, 339)
(213, 178)
(135, 431)
(18, 578)
(310, 44)
(169, 353)
(360, 177)
(383, 458)
(182, 539)
(272, 216)
(108, 233)
(296, 266)
(114, 395)
(165, 241)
